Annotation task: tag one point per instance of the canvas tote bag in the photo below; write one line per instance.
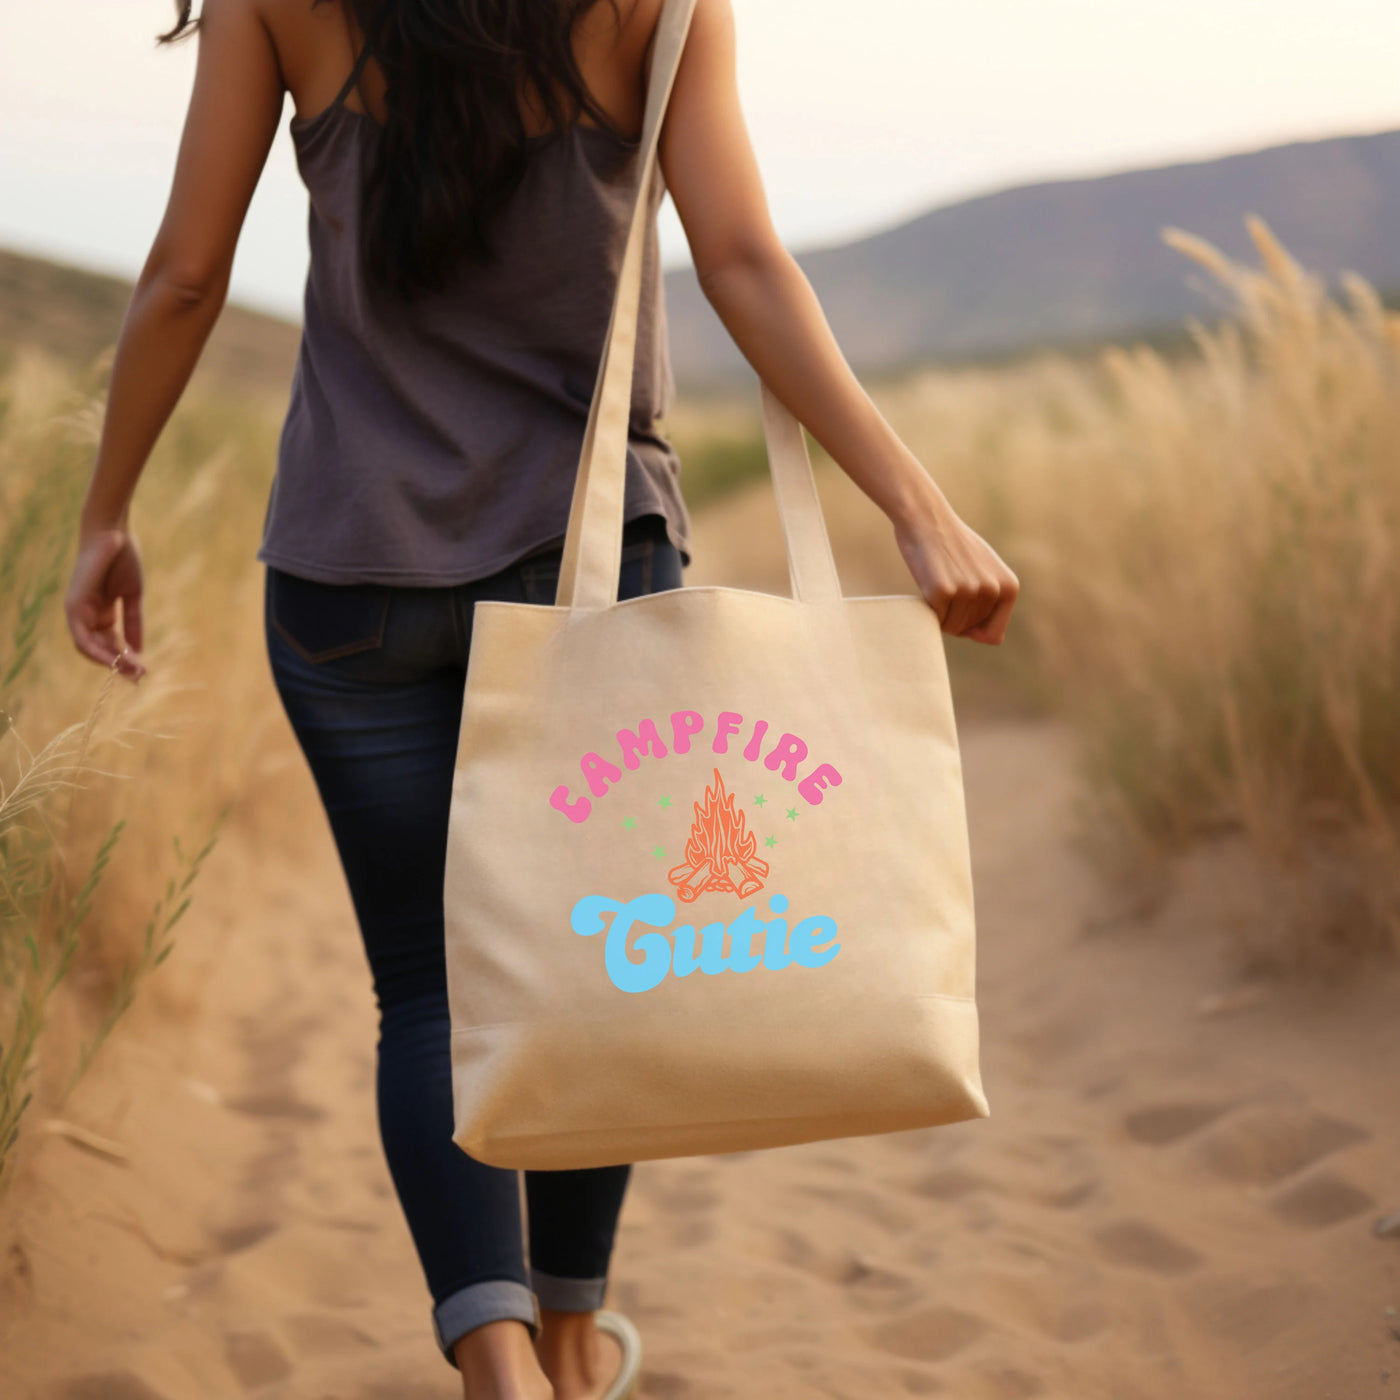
(707, 882)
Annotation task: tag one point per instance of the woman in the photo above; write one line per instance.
(470, 168)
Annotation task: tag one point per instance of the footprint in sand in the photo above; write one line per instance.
(931, 1334)
(1159, 1124)
(1140, 1245)
(952, 1184)
(256, 1358)
(1261, 1146)
(1319, 1200)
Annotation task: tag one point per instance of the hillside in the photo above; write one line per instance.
(1075, 260)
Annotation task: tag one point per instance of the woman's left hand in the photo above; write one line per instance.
(962, 578)
(108, 568)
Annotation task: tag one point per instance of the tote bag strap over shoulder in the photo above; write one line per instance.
(589, 568)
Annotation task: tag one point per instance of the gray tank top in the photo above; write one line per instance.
(437, 442)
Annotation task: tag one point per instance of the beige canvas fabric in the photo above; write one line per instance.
(708, 883)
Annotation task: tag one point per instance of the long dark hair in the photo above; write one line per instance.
(453, 146)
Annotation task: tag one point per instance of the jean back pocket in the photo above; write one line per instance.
(321, 621)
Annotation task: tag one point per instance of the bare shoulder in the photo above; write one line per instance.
(219, 19)
(289, 11)
(314, 45)
(236, 32)
(230, 13)
(301, 24)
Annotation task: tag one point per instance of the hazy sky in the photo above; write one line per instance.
(863, 112)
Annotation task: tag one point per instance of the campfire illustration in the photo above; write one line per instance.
(719, 853)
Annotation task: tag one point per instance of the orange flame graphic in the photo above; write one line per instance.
(720, 852)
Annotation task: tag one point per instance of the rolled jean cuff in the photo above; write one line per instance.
(568, 1294)
(491, 1300)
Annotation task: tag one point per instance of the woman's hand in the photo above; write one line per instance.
(108, 567)
(959, 574)
(767, 305)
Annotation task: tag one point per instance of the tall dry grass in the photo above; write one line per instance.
(112, 797)
(1210, 551)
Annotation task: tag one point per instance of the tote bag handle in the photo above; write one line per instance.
(589, 568)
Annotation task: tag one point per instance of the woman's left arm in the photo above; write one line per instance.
(235, 108)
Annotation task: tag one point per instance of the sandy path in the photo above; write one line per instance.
(1164, 1203)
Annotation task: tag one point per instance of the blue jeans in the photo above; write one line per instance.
(371, 677)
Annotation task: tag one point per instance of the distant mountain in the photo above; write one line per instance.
(1047, 264)
(1075, 260)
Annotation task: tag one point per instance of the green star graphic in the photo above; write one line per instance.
(792, 814)
(664, 800)
(658, 851)
(759, 800)
(770, 841)
(628, 823)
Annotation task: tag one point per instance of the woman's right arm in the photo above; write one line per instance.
(768, 306)
(235, 105)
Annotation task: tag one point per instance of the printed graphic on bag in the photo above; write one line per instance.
(809, 945)
(600, 773)
(720, 857)
(720, 853)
